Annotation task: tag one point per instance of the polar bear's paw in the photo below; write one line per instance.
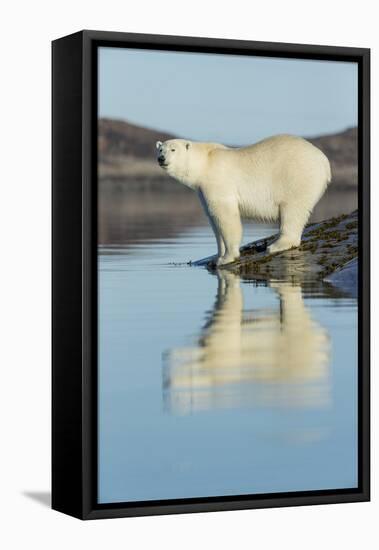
(226, 259)
(282, 244)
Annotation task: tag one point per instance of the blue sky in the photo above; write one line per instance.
(231, 99)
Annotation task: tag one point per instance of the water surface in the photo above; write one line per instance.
(210, 385)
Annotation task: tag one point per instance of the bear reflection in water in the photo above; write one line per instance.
(275, 357)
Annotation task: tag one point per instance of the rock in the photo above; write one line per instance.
(326, 248)
(346, 278)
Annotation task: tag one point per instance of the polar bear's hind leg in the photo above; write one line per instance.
(293, 218)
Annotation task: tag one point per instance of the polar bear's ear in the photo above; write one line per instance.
(158, 144)
(188, 145)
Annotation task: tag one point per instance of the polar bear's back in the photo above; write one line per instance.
(278, 170)
(281, 164)
(283, 150)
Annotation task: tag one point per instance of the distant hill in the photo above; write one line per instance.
(342, 151)
(127, 154)
(118, 137)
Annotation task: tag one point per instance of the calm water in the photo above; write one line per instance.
(210, 385)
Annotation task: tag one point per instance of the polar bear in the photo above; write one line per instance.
(279, 178)
(273, 355)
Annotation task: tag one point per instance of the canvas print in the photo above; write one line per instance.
(227, 275)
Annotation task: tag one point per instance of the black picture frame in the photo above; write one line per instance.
(74, 272)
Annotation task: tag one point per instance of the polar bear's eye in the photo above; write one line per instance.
(173, 150)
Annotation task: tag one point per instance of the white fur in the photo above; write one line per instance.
(279, 178)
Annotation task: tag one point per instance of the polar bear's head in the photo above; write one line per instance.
(177, 157)
(173, 154)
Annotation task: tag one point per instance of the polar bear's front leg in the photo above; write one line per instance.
(214, 226)
(219, 239)
(226, 218)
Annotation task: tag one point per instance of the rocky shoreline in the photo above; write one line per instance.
(328, 252)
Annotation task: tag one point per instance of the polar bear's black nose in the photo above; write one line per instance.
(161, 158)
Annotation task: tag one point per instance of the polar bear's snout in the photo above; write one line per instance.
(161, 158)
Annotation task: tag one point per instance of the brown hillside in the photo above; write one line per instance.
(118, 137)
(342, 151)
